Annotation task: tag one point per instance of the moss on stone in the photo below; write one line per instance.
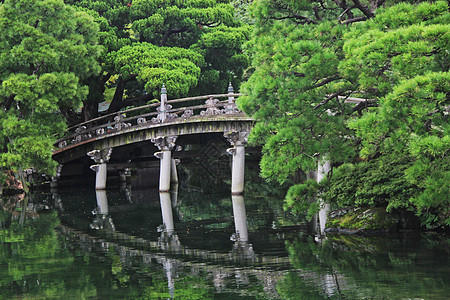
(362, 219)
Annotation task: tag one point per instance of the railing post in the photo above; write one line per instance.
(230, 108)
(163, 104)
(230, 92)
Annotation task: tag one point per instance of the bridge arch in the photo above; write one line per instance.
(160, 124)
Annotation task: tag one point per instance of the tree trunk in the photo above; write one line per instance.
(117, 102)
(96, 90)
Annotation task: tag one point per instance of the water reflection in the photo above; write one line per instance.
(166, 212)
(240, 218)
(271, 259)
(102, 218)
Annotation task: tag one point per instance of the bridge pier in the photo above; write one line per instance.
(238, 140)
(100, 157)
(165, 145)
(173, 171)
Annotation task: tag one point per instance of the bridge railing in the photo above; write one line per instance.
(153, 114)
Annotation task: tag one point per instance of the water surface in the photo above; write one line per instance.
(138, 244)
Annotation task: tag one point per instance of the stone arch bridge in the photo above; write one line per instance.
(162, 124)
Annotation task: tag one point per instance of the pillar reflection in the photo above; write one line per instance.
(166, 211)
(102, 202)
(174, 195)
(102, 219)
(240, 218)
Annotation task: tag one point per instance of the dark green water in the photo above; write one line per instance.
(82, 245)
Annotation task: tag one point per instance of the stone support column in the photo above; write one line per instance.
(173, 171)
(323, 168)
(174, 194)
(238, 140)
(124, 175)
(100, 157)
(165, 145)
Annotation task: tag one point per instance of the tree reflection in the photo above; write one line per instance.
(352, 267)
(33, 260)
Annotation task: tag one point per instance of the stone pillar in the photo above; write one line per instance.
(165, 145)
(322, 170)
(101, 157)
(240, 218)
(124, 175)
(54, 182)
(174, 194)
(238, 140)
(173, 171)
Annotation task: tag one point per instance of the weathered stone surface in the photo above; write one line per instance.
(149, 131)
(365, 221)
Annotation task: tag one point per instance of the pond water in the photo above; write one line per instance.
(139, 244)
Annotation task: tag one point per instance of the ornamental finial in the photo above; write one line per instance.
(230, 88)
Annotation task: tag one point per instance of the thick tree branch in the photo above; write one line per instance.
(364, 104)
(298, 74)
(364, 9)
(326, 100)
(316, 13)
(346, 11)
(296, 17)
(354, 20)
(169, 33)
(325, 81)
(117, 102)
(9, 101)
(137, 100)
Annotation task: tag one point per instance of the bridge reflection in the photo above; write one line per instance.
(169, 251)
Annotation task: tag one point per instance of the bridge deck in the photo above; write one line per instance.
(150, 121)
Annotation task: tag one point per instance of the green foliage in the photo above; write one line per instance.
(301, 197)
(222, 49)
(178, 68)
(398, 59)
(412, 121)
(387, 49)
(157, 20)
(46, 49)
(285, 93)
(206, 27)
(376, 183)
(364, 268)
